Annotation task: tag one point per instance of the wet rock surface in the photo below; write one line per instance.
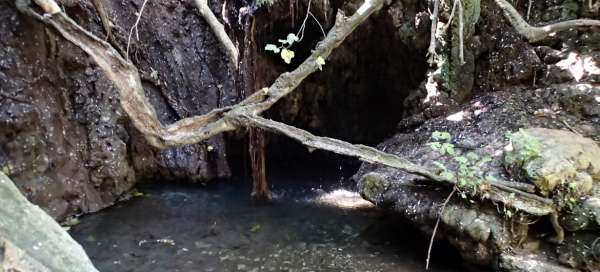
(63, 136)
(215, 229)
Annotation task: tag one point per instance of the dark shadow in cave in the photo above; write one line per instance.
(358, 96)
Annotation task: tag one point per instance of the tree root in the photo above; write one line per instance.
(535, 34)
(126, 79)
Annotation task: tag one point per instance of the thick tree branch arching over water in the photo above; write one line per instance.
(126, 79)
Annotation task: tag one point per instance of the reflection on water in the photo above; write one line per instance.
(307, 228)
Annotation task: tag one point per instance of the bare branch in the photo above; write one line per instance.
(437, 224)
(219, 31)
(534, 34)
(135, 27)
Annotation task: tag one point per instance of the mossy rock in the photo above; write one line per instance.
(556, 161)
(372, 186)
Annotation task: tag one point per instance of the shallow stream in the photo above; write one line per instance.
(309, 227)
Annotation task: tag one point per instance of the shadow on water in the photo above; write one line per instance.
(215, 228)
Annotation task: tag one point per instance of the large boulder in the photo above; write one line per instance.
(481, 230)
(551, 158)
(30, 240)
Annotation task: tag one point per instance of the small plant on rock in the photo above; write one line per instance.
(467, 172)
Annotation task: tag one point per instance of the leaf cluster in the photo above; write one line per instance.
(467, 172)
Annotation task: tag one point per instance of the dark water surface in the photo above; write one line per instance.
(193, 228)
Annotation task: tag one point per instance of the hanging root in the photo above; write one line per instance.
(126, 79)
(433, 40)
(219, 31)
(135, 27)
(535, 34)
(461, 44)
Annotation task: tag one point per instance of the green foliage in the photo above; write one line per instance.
(467, 171)
(530, 148)
(272, 47)
(283, 49)
(261, 3)
(441, 136)
(287, 55)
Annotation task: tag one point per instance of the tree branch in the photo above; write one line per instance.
(534, 34)
(219, 31)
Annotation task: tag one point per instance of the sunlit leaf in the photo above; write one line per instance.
(441, 136)
(290, 39)
(436, 146)
(448, 148)
(287, 55)
(320, 62)
(272, 47)
(461, 160)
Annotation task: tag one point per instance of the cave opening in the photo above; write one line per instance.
(357, 97)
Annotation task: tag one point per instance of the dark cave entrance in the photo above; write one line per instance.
(358, 96)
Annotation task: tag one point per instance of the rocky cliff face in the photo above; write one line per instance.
(551, 84)
(64, 139)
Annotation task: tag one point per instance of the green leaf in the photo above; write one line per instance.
(272, 47)
(287, 55)
(441, 136)
(448, 148)
(472, 156)
(290, 39)
(320, 62)
(436, 146)
(461, 160)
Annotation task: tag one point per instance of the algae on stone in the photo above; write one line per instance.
(555, 161)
